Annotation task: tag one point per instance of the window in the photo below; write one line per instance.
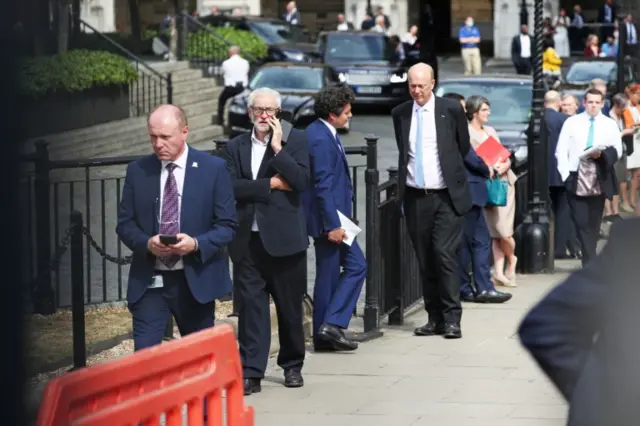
(358, 47)
(289, 79)
(510, 102)
(584, 72)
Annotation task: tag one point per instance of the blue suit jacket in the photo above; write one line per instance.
(553, 124)
(331, 188)
(207, 213)
(477, 175)
(583, 334)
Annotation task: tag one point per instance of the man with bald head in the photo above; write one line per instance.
(433, 141)
(176, 215)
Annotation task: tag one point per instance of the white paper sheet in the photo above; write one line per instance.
(351, 229)
(587, 152)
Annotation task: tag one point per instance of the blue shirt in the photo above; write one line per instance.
(610, 50)
(468, 32)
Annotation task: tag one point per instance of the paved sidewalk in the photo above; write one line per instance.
(485, 378)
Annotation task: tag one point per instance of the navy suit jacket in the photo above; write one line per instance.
(207, 213)
(477, 175)
(583, 334)
(553, 121)
(331, 187)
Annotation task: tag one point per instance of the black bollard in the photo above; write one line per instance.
(77, 292)
(533, 236)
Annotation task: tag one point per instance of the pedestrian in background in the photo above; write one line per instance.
(469, 38)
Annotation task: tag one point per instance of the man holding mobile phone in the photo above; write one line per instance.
(176, 215)
(269, 170)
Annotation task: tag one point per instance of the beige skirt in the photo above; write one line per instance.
(500, 219)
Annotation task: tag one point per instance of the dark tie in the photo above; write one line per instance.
(339, 142)
(170, 218)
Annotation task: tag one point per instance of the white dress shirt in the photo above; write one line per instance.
(431, 160)
(258, 149)
(573, 140)
(525, 46)
(343, 26)
(178, 173)
(235, 70)
(331, 128)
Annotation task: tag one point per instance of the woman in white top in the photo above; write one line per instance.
(561, 37)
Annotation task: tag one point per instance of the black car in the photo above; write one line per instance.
(577, 78)
(510, 98)
(286, 42)
(368, 62)
(297, 84)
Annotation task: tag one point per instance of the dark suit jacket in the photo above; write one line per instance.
(207, 213)
(553, 124)
(331, 189)
(280, 214)
(583, 334)
(516, 50)
(607, 178)
(477, 175)
(453, 145)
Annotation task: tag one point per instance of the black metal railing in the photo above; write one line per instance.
(205, 48)
(150, 89)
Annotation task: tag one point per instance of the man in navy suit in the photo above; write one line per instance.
(269, 170)
(335, 294)
(583, 334)
(186, 194)
(475, 247)
(554, 119)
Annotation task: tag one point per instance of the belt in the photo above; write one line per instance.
(425, 191)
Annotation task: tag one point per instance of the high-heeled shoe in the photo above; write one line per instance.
(503, 281)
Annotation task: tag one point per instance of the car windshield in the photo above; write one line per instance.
(510, 102)
(279, 33)
(288, 79)
(358, 47)
(584, 72)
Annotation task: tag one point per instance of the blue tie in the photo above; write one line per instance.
(419, 175)
(590, 134)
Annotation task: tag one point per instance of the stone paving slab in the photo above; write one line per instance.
(485, 378)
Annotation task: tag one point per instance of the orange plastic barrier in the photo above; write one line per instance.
(136, 389)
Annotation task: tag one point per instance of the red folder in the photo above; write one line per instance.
(492, 151)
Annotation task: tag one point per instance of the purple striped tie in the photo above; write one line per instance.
(170, 218)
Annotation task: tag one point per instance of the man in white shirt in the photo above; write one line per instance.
(521, 49)
(589, 177)
(235, 73)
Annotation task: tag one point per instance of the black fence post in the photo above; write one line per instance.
(169, 88)
(77, 291)
(372, 290)
(396, 311)
(43, 295)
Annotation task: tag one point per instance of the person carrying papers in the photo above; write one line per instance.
(328, 205)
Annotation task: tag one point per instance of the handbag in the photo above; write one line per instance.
(497, 192)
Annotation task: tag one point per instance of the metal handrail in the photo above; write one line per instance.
(193, 20)
(130, 54)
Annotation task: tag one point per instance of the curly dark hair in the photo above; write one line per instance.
(332, 100)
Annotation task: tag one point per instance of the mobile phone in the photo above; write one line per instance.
(168, 240)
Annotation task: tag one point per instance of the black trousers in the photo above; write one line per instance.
(259, 275)
(436, 231)
(565, 230)
(227, 93)
(586, 213)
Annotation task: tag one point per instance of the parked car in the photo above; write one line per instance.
(510, 97)
(580, 73)
(367, 62)
(297, 84)
(286, 42)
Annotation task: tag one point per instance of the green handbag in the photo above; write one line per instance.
(497, 192)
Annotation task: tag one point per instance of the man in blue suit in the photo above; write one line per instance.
(335, 294)
(475, 247)
(185, 194)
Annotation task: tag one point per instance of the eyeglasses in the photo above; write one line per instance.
(260, 111)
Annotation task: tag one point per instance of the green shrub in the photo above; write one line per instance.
(74, 71)
(205, 45)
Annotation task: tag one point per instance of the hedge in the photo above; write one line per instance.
(95, 41)
(204, 44)
(74, 71)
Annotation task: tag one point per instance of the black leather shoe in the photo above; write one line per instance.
(323, 347)
(252, 386)
(452, 331)
(331, 335)
(429, 329)
(293, 379)
(469, 297)
(493, 296)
